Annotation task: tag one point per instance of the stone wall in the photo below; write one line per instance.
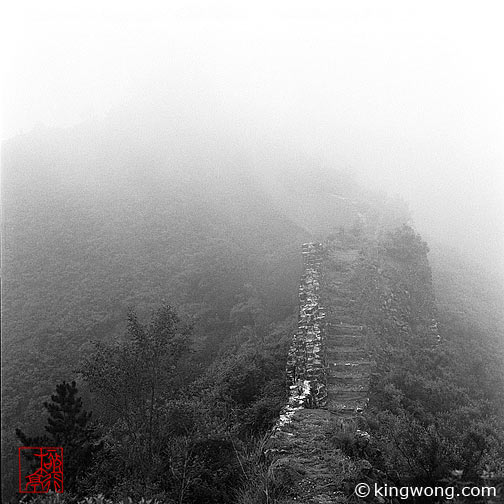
(306, 367)
(356, 301)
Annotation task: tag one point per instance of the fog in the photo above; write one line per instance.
(408, 95)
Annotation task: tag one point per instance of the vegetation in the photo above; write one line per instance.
(68, 426)
(434, 419)
(169, 435)
(183, 398)
(157, 437)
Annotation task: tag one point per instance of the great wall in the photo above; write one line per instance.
(331, 361)
(327, 365)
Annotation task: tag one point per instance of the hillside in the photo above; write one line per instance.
(137, 213)
(380, 392)
(111, 215)
(97, 218)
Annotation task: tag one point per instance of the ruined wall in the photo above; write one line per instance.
(358, 295)
(306, 366)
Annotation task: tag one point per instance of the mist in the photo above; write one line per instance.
(251, 250)
(408, 97)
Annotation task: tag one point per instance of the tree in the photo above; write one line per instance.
(68, 426)
(134, 379)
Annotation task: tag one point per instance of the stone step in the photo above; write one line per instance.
(346, 340)
(346, 376)
(362, 367)
(338, 390)
(339, 275)
(341, 313)
(346, 407)
(348, 380)
(337, 393)
(347, 414)
(344, 350)
(339, 298)
(341, 319)
(339, 303)
(343, 329)
(345, 354)
(347, 397)
(345, 253)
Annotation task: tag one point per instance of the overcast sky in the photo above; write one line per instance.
(407, 94)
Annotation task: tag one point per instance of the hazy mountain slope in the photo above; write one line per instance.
(80, 228)
(98, 218)
(133, 211)
(471, 314)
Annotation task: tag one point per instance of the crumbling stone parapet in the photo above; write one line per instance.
(306, 367)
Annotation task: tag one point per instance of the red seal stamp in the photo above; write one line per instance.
(40, 469)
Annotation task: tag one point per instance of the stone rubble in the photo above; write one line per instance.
(306, 367)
